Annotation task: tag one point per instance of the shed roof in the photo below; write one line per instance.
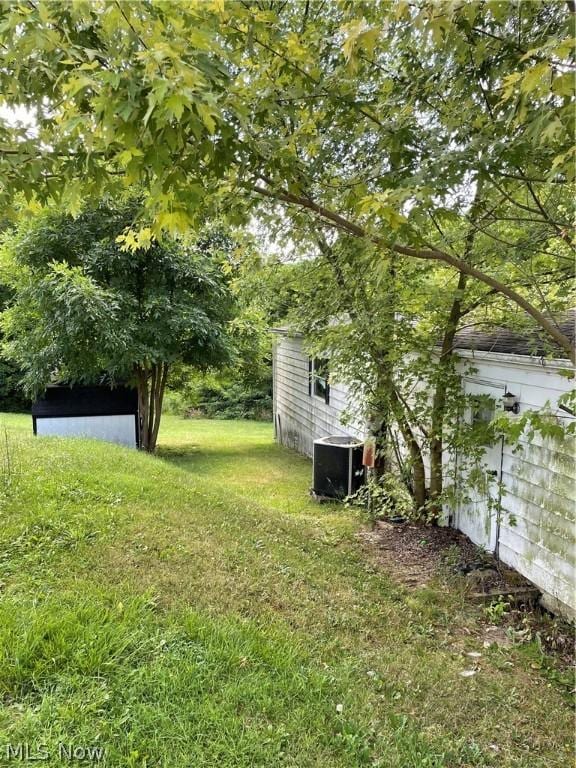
(515, 342)
(79, 400)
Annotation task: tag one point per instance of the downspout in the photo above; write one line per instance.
(499, 501)
(274, 350)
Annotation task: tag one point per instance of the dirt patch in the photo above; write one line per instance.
(415, 554)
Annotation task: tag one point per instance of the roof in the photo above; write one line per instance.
(286, 331)
(487, 338)
(515, 342)
(62, 400)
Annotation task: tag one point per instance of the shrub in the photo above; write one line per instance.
(212, 399)
(384, 497)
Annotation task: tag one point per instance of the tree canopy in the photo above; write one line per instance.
(379, 120)
(85, 310)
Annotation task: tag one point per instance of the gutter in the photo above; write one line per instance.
(285, 332)
(529, 361)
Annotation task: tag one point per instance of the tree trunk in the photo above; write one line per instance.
(158, 400)
(416, 459)
(379, 422)
(443, 370)
(385, 373)
(142, 386)
(151, 383)
(379, 431)
(438, 413)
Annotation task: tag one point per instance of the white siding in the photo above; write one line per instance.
(114, 429)
(537, 525)
(301, 417)
(535, 532)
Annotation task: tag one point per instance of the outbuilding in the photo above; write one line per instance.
(532, 525)
(100, 412)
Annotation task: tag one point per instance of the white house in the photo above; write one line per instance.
(533, 528)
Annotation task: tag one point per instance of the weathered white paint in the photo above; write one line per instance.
(113, 429)
(534, 530)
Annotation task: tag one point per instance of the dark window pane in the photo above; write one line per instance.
(321, 367)
(483, 409)
(320, 378)
(320, 387)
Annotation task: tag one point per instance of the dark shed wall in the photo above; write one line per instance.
(86, 401)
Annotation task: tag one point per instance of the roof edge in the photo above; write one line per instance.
(517, 359)
(285, 331)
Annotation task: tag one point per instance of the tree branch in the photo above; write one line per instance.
(356, 230)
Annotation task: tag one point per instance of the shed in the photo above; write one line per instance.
(532, 526)
(100, 412)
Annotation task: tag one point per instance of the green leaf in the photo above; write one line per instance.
(206, 115)
(532, 78)
(175, 105)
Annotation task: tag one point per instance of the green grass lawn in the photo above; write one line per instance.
(196, 609)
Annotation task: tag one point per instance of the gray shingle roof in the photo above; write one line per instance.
(514, 342)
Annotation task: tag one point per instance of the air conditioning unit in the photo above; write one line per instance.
(338, 470)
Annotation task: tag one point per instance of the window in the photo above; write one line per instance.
(483, 409)
(319, 385)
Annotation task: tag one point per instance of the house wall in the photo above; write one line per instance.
(301, 417)
(534, 532)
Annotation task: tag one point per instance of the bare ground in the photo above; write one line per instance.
(414, 555)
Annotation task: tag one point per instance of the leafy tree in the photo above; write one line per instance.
(87, 310)
(379, 120)
(12, 397)
(348, 307)
(389, 330)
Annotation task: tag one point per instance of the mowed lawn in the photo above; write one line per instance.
(196, 609)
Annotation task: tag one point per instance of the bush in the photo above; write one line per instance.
(12, 397)
(211, 399)
(235, 402)
(385, 497)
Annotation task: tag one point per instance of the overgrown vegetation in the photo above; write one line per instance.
(385, 497)
(218, 397)
(12, 396)
(197, 608)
